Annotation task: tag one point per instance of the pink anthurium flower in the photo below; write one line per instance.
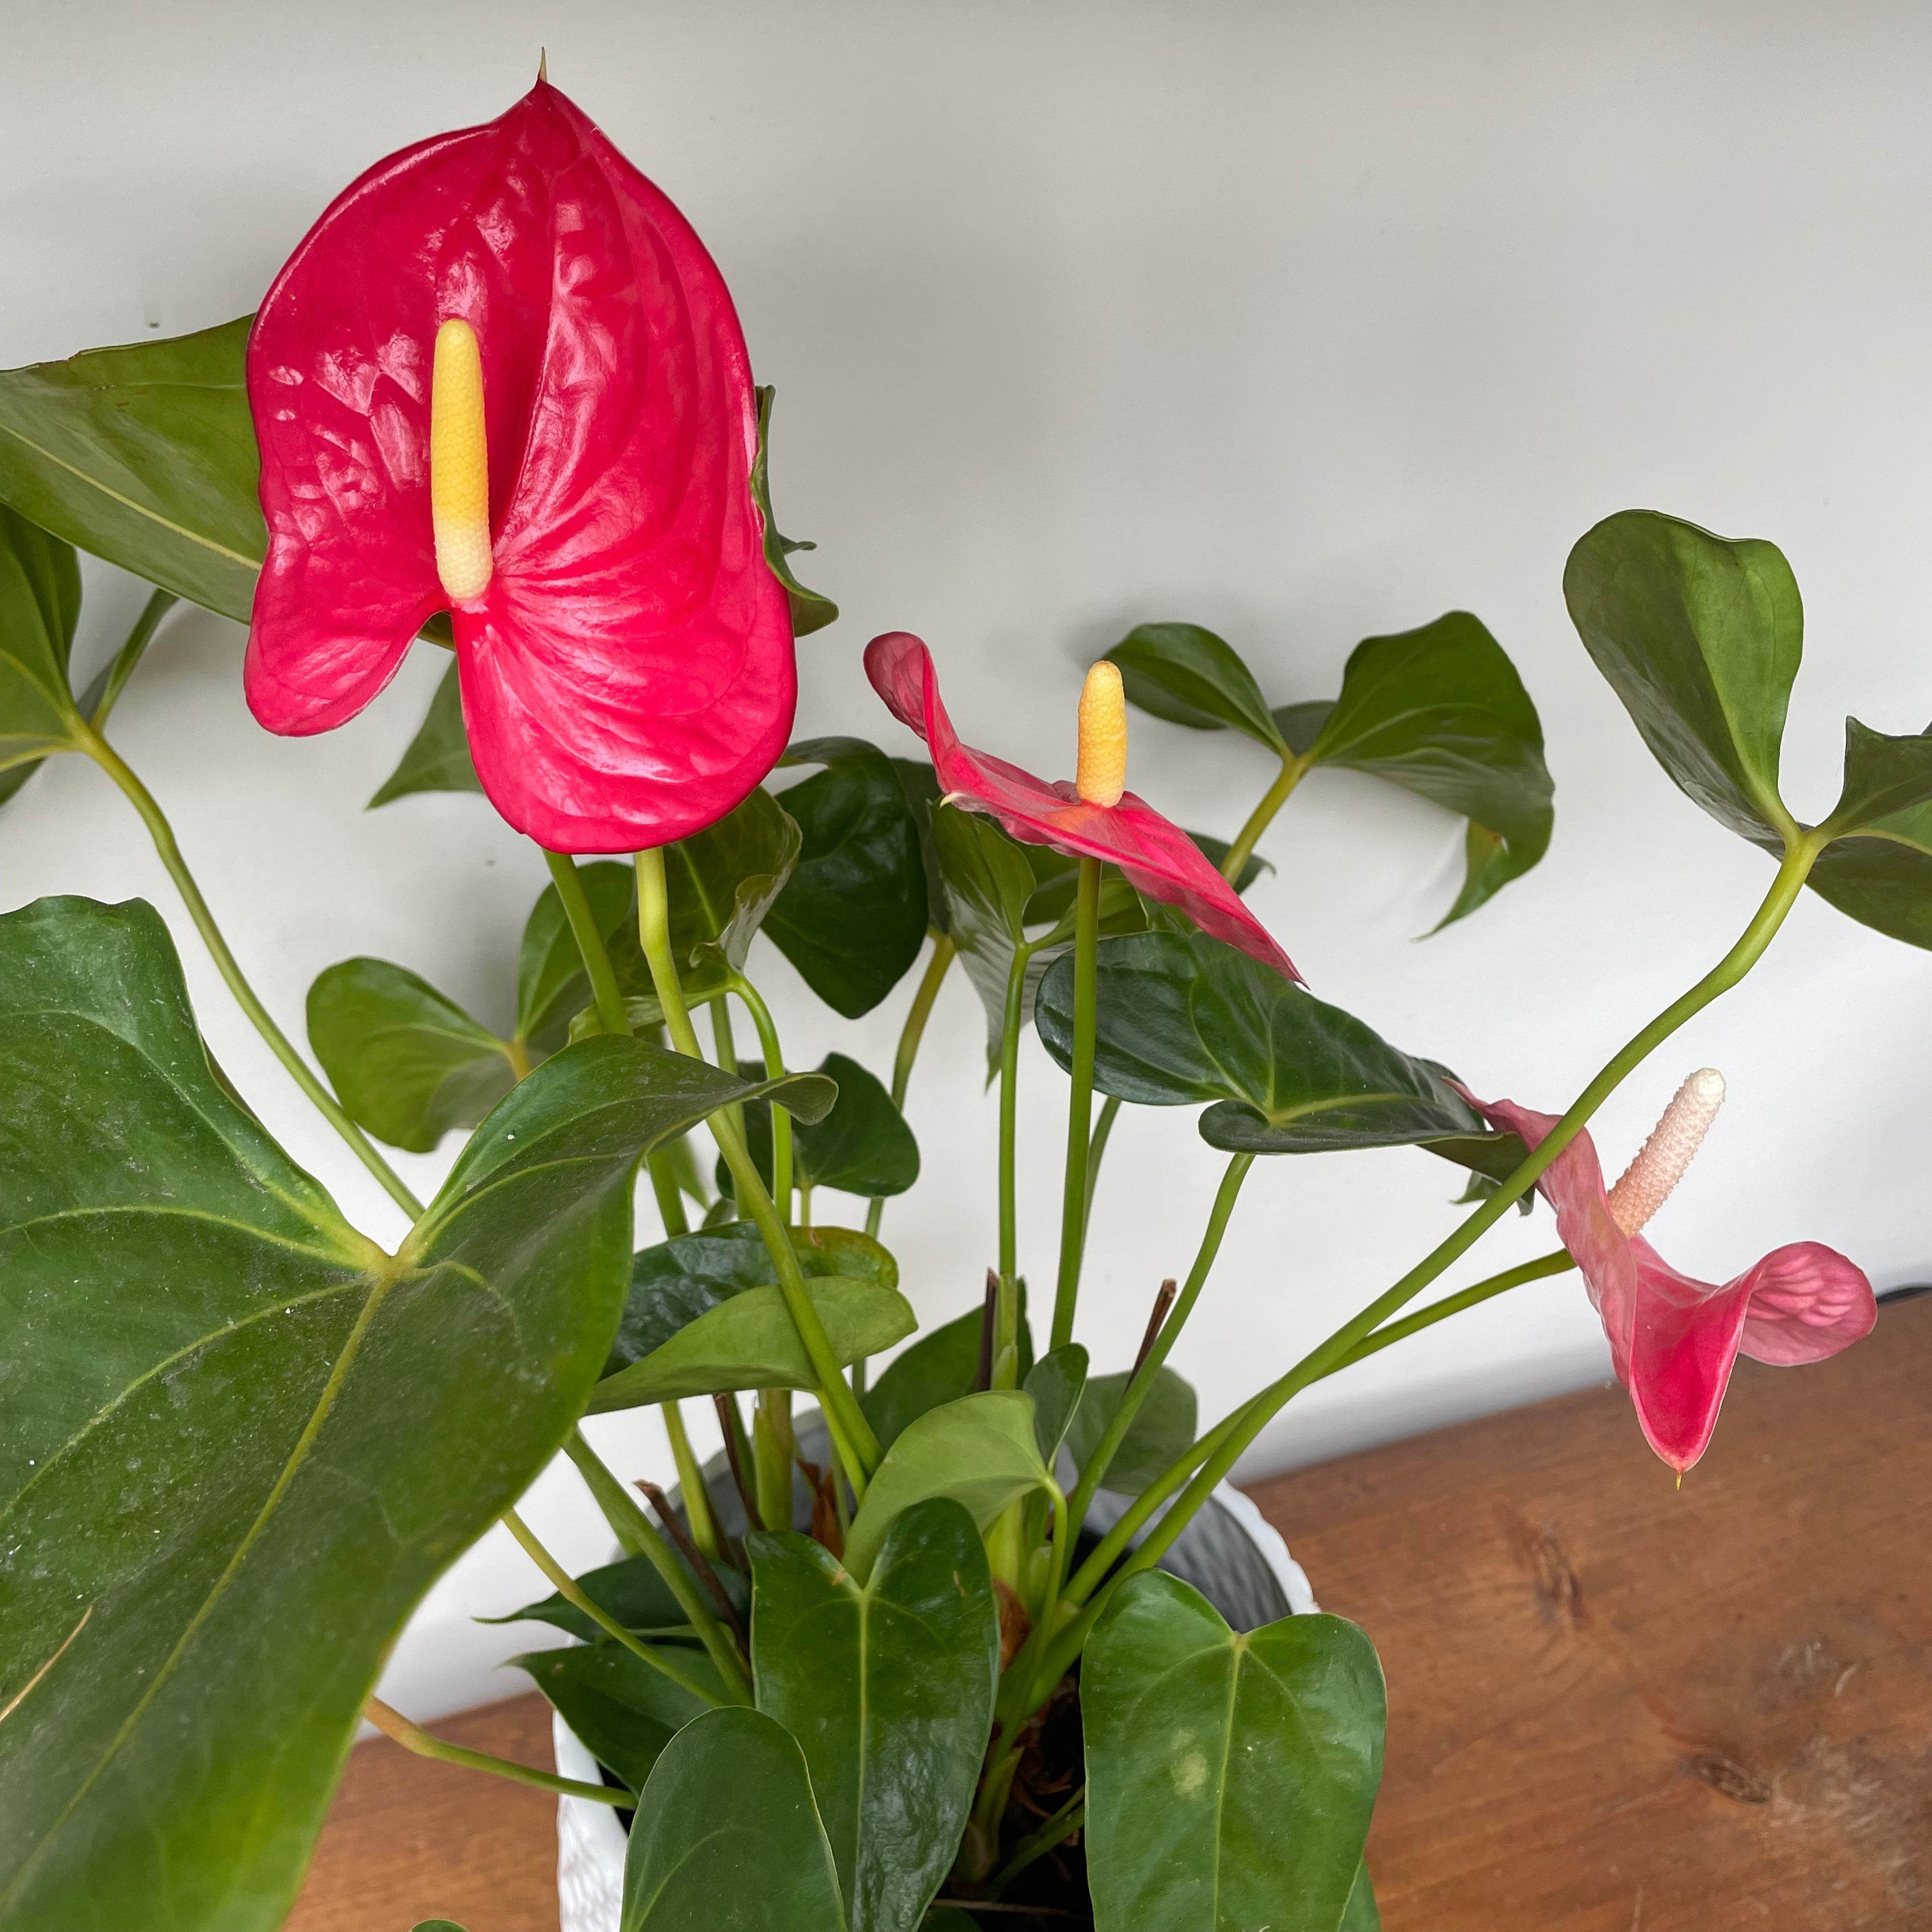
(1093, 817)
(501, 376)
(1673, 1338)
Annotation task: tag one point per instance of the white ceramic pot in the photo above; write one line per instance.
(1231, 1552)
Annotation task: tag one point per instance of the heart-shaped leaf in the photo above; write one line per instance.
(722, 881)
(1190, 677)
(890, 1690)
(634, 1591)
(810, 611)
(728, 1836)
(1229, 1778)
(1162, 1431)
(852, 916)
(144, 456)
(624, 1711)
(1056, 1383)
(980, 1450)
(939, 1367)
(1440, 712)
(40, 604)
(862, 1147)
(438, 757)
(238, 1441)
(1183, 1019)
(406, 1063)
(1700, 636)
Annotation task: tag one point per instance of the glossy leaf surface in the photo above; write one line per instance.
(852, 916)
(632, 1591)
(889, 1689)
(919, 785)
(722, 881)
(1056, 1382)
(1879, 870)
(1163, 1428)
(1184, 1019)
(1440, 712)
(39, 605)
(728, 1836)
(437, 758)
(940, 1367)
(862, 1147)
(245, 1484)
(407, 1062)
(145, 456)
(1190, 677)
(624, 1711)
(1700, 636)
(980, 1450)
(1229, 1778)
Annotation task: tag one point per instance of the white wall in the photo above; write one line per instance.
(1305, 323)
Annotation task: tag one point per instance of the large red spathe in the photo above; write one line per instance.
(627, 675)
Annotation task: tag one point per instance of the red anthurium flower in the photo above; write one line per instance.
(501, 375)
(1673, 1339)
(1092, 818)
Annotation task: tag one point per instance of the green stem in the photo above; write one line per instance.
(773, 1446)
(1058, 1829)
(1138, 1389)
(1272, 801)
(1005, 1313)
(943, 954)
(392, 1723)
(775, 1069)
(1254, 1416)
(1103, 1132)
(130, 654)
(1079, 1101)
(1559, 1263)
(669, 1196)
(590, 947)
(851, 1434)
(326, 1103)
(566, 1587)
(691, 1483)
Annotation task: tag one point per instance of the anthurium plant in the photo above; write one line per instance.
(913, 1650)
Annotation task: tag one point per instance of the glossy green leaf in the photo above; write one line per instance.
(1056, 1382)
(722, 881)
(728, 1836)
(889, 1689)
(39, 605)
(810, 611)
(407, 1062)
(1700, 636)
(1440, 712)
(862, 1147)
(632, 1591)
(918, 785)
(979, 1450)
(238, 1441)
(623, 1711)
(852, 917)
(1879, 869)
(939, 1367)
(1359, 1914)
(145, 456)
(1229, 1778)
(1190, 677)
(552, 985)
(438, 757)
(1163, 1428)
(1183, 1019)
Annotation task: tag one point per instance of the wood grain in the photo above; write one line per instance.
(1614, 1706)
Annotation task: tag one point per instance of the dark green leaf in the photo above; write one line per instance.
(624, 1711)
(979, 1450)
(1301, 725)
(1056, 1382)
(1700, 636)
(1879, 869)
(237, 1438)
(1184, 1019)
(1229, 1778)
(1360, 1915)
(1440, 712)
(1189, 676)
(1491, 1158)
(862, 1147)
(1162, 1430)
(632, 1591)
(940, 1367)
(809, 611)
(728, 1836)
(722, 881)
(408, 1063)
(144, 456)
(551, 983)
(890, 1691)
(918, 785)
(438, 758)
(40, 604)
(852, 917)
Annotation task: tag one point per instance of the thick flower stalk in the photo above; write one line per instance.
(501, 377)
(1673, 1339)
(1094, 817)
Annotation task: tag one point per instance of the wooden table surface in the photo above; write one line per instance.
(1614, 1706)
